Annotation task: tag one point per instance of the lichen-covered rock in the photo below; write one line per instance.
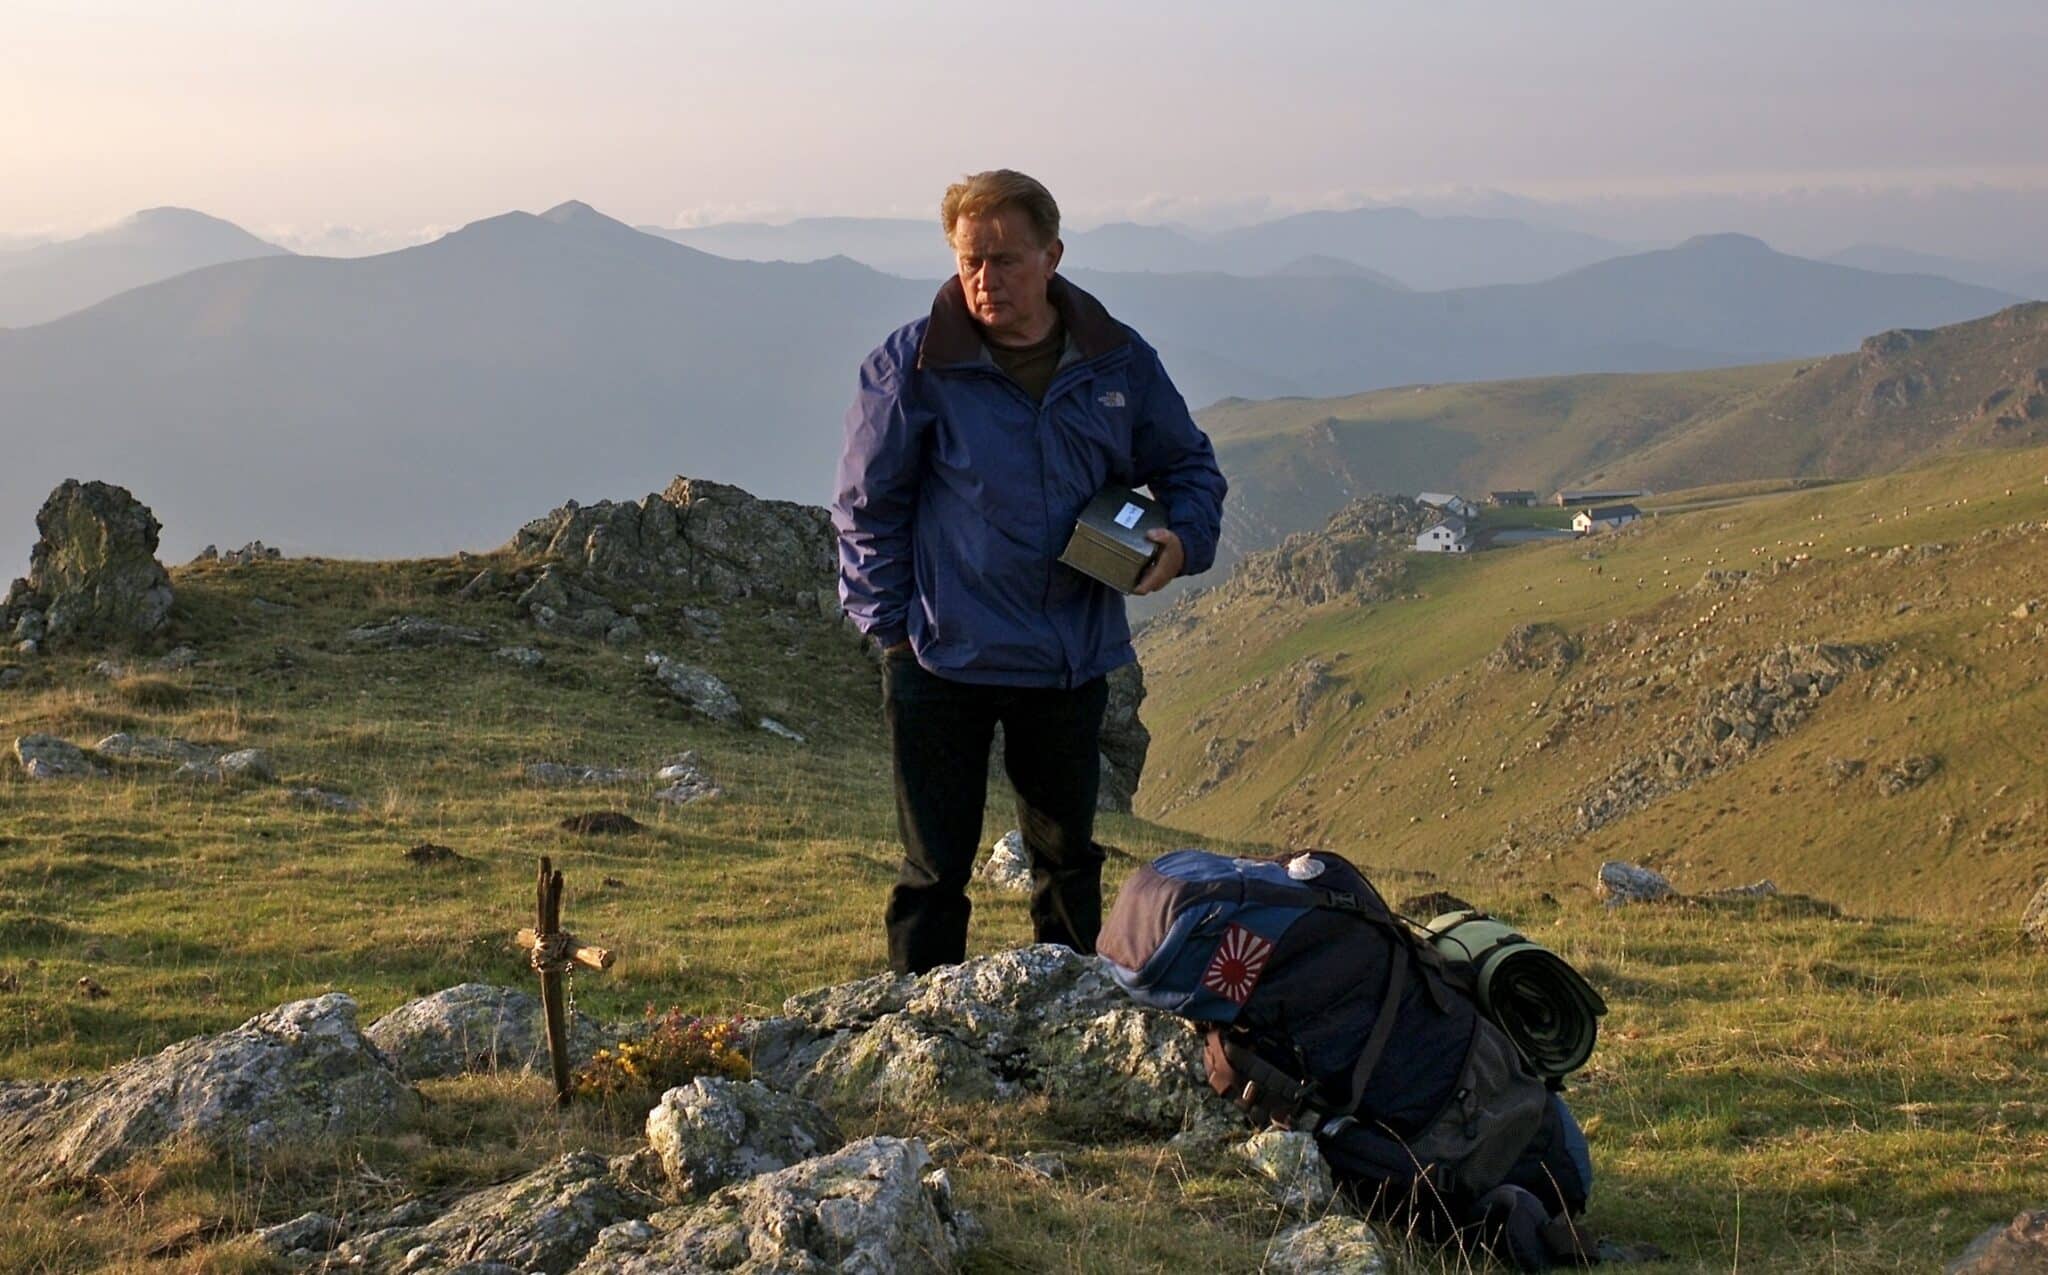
(405, 631)
(299, 1071)
(2034, 921)
(47, 757)
(520, 656)
(2020, 1247)
(545, 1221)
(1327, 1246)
(474, 1027)
(93, 574)
(305, 1235)
(687, 781)
(1040, 1019)
(153, 748)
(1622, 883)
(875, 1207)
(697, 536)
(1291, 1161)
(695, 687)
(250, 764)
(713, 1132)
(1008, 865)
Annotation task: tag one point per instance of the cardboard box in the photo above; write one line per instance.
(1109, 539)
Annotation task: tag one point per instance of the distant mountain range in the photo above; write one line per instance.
(1396, 246)
(43, 281)
(2029, 280)
(430, 398)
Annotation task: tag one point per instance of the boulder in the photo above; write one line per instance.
(1123, 744)
(47, 757)
(93, 574)
(1040, 1019)
(474, 1027)
(713, 1132)
(411, 631)
(1327, 1246)
(297, 1072)
(687, 781)
(1624, 883)
(520, 656)
(877, 1207)
(545, 1221)
(1291, 1161)
(780, 731)
(1008, 866)
(2034, 921)
(695, 687)
(2020, 1247)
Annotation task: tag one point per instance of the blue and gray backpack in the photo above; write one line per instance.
(1325, 1010)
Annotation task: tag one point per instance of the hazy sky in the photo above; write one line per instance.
(296, 115)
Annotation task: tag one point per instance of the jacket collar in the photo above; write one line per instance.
(953, 337)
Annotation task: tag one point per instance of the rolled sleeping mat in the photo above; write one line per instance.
(1544, 1005)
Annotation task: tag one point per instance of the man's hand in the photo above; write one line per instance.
(1166, 566)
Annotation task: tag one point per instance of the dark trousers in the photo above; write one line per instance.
(939, 736)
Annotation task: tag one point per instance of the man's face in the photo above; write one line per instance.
(1004, 271)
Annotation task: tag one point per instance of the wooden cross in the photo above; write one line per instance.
(553, 952)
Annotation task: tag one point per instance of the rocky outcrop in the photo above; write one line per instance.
(297, 1072)
(1041, 1020)
(697, 536)
(1728, 724)
(404, 631)
(713, 1132)
(545, 1221)
(1327, 1246)
(877, 1207)
(249, 764)
(1530, 647)
(473, 1027)
(1358, 556)
(93, 575)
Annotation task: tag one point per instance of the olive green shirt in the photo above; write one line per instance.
(1031, 366)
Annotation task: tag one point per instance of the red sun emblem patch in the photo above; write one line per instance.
(1234, 971)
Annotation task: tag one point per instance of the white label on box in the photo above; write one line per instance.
(1128, 516)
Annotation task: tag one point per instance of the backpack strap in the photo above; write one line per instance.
(1382, 1027)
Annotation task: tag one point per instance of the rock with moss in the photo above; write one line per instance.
(475, 1027)
(1291, 1161)
(715, 1131)
(297, 1072)
(877, 1206)
(696, 687)
(545, 1221)
(1037, 1020)
(93, 576)
(1327, 1246)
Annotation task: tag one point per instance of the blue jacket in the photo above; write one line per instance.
(957, 493)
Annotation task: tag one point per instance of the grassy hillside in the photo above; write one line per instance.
(1903, 398)
(1746, 1106)
(1401, 729)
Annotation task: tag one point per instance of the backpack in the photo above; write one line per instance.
(1325, 1011)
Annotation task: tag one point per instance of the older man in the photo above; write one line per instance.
(978, 435)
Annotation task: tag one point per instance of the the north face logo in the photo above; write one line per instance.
(1113, 398)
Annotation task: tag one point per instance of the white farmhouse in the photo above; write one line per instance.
(1449, 502)
(1604, 518)
(1448, 536)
